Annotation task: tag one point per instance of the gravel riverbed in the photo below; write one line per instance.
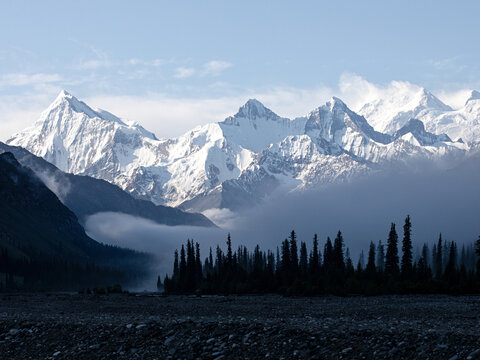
(62, 326)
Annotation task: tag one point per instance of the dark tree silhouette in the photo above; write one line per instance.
(407, 256)
(391, 258)
(260, 272)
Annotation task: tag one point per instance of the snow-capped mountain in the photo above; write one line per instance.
(226, 164)
(392, 111)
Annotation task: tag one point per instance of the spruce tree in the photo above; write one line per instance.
(210, 259)
(219, 264)
(380, 256)
(338, 253)
(303, 258)
(190, 275)
(451, 267)
(286, 257)
(433, 260)
(422, 268)
(278, 262)
(175, 265)
(391, 258)
(159, 283)
(182, 268)
(371, 259)
(328, 255)
(361, 262)
(229, 252)
(315, 260)
(198, 265)
(407, 249)
(349, 269)
(477, 252)
(439, 258)
(293, 252)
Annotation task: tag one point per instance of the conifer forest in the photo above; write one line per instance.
(295, 269)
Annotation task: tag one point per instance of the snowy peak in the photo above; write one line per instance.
(474, 95)
(66, 100)
(337, 103)
(404, 101)
(66, 107)
(334, 121)
(428, 100)
(254, 109)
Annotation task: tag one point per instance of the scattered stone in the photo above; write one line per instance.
(474, 355)
(177, 327)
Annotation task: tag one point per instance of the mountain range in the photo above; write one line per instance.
(248, 156)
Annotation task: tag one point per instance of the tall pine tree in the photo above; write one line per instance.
(293, 252)
(407, 249)
(439, 258)
(391, 258)
(371, 259)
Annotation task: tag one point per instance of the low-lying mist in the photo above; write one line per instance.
(437, 201)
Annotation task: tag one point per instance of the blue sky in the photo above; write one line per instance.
(171, 65)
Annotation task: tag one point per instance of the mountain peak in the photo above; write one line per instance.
(64, 93)
(429, 100)
(474, 95)
(64, 98)
(255, 109)
(336, 102)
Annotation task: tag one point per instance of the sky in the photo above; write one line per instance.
(174, 65)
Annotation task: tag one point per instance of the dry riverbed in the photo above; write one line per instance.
(60, 326)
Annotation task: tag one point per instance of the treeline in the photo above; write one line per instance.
(40, 272)
(294, 270)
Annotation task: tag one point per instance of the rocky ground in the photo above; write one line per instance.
(60, 326)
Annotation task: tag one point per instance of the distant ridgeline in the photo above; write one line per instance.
(42, 244)
(291, 272)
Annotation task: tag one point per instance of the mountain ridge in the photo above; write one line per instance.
(231, 157)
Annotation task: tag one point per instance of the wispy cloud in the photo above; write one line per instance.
(183, 72)
(24, 79)
(94, 64)
(215, 67)
(100, 59)
(152, 63)
(450, 64)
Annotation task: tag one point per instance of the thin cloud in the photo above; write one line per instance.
(183, 72)
(152, 63)
(215, 67)
(94, 64)
(99, 60)
(23, 79)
